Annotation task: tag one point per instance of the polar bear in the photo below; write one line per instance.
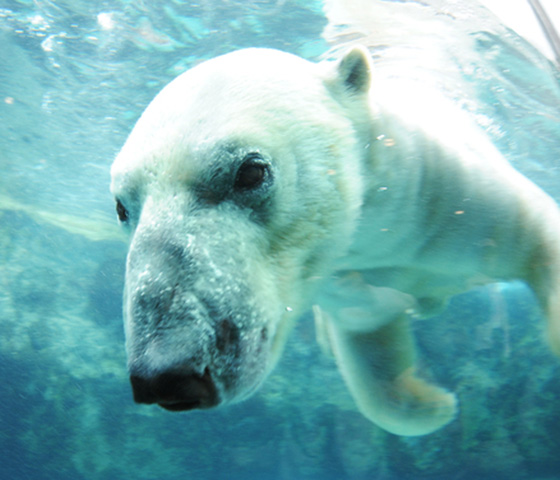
(258, 183)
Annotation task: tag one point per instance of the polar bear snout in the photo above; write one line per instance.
(175, 389)
(197, 333)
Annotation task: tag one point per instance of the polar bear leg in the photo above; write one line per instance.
(378, 368)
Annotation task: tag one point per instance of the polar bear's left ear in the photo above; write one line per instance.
(354, 70)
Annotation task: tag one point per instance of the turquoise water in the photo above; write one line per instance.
(74, 77)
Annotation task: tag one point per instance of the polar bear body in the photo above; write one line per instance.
(258, 182)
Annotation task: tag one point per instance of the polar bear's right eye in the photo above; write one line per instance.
(122, 212)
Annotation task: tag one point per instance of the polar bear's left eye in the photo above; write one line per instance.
(252, 173)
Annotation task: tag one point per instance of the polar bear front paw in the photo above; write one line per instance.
(417, 407)
(407, 405)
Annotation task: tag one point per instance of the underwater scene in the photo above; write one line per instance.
(75, 76)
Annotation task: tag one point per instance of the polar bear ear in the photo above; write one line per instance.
(354, 69)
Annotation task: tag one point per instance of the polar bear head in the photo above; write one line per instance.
(240, 186)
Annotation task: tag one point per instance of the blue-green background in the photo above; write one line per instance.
(70, 91)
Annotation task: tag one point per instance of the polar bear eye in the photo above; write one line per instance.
(252, 173)
(122, 212)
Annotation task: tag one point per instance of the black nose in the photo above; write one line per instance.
(175, 390)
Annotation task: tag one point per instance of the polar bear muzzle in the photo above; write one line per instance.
(197, 333)
(177, 390)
